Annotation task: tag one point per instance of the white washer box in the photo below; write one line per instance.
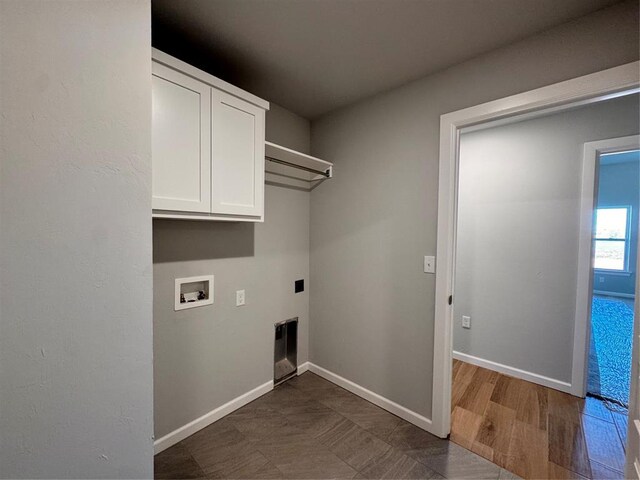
(191, 292)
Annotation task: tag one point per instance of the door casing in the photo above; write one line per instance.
(611, 83)
(582, 332)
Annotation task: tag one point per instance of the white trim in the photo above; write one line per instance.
(587, 89)
(633, 426)
(303, 368)
(584, 292)
(584, 278)
(604, 293)
(389, 405)
(207, 419)
(514, 372)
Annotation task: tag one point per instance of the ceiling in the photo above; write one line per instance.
(313, 56)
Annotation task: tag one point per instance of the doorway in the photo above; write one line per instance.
(447, 295)
(591, 88)
(614, 255)
(518, 212)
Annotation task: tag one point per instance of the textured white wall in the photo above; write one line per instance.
(518, 235)
(75, 239)
(371, 306)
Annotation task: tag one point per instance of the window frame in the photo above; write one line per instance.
(627, 239)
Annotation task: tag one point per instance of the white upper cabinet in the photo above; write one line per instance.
(208, 146)
(238, 156)
(181, 142)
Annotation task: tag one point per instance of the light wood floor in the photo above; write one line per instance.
(534, 431)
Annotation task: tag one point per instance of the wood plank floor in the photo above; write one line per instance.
(311, 428)
(533, 431)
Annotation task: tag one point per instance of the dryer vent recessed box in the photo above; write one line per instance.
(193, 292)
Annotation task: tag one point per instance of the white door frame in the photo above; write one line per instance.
(632, 469)
(582, 331)
(579, 91)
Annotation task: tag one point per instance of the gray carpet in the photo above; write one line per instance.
(610, 353)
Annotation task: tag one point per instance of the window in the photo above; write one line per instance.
(612, 238)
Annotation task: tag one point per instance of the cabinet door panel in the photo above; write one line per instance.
(237, 175)
(181, 133)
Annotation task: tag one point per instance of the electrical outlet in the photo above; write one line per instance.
(239, 298)
(466, 322)
(429, 264)
(601, 279)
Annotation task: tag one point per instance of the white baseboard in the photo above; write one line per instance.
(614, 294)
(514, 372)
(303, 368)
(208, 418)
(388, 405)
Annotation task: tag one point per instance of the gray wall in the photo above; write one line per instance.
(207, 356)
(518, 233)
(288, 129)
(371, 305)
(618, 185)
(75, 240)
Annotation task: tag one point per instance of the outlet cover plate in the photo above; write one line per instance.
(240, 298)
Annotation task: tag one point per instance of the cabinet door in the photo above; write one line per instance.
(237, 175)
(181, 145)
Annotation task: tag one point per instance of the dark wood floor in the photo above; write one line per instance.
(310, 428)
(535, 431)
